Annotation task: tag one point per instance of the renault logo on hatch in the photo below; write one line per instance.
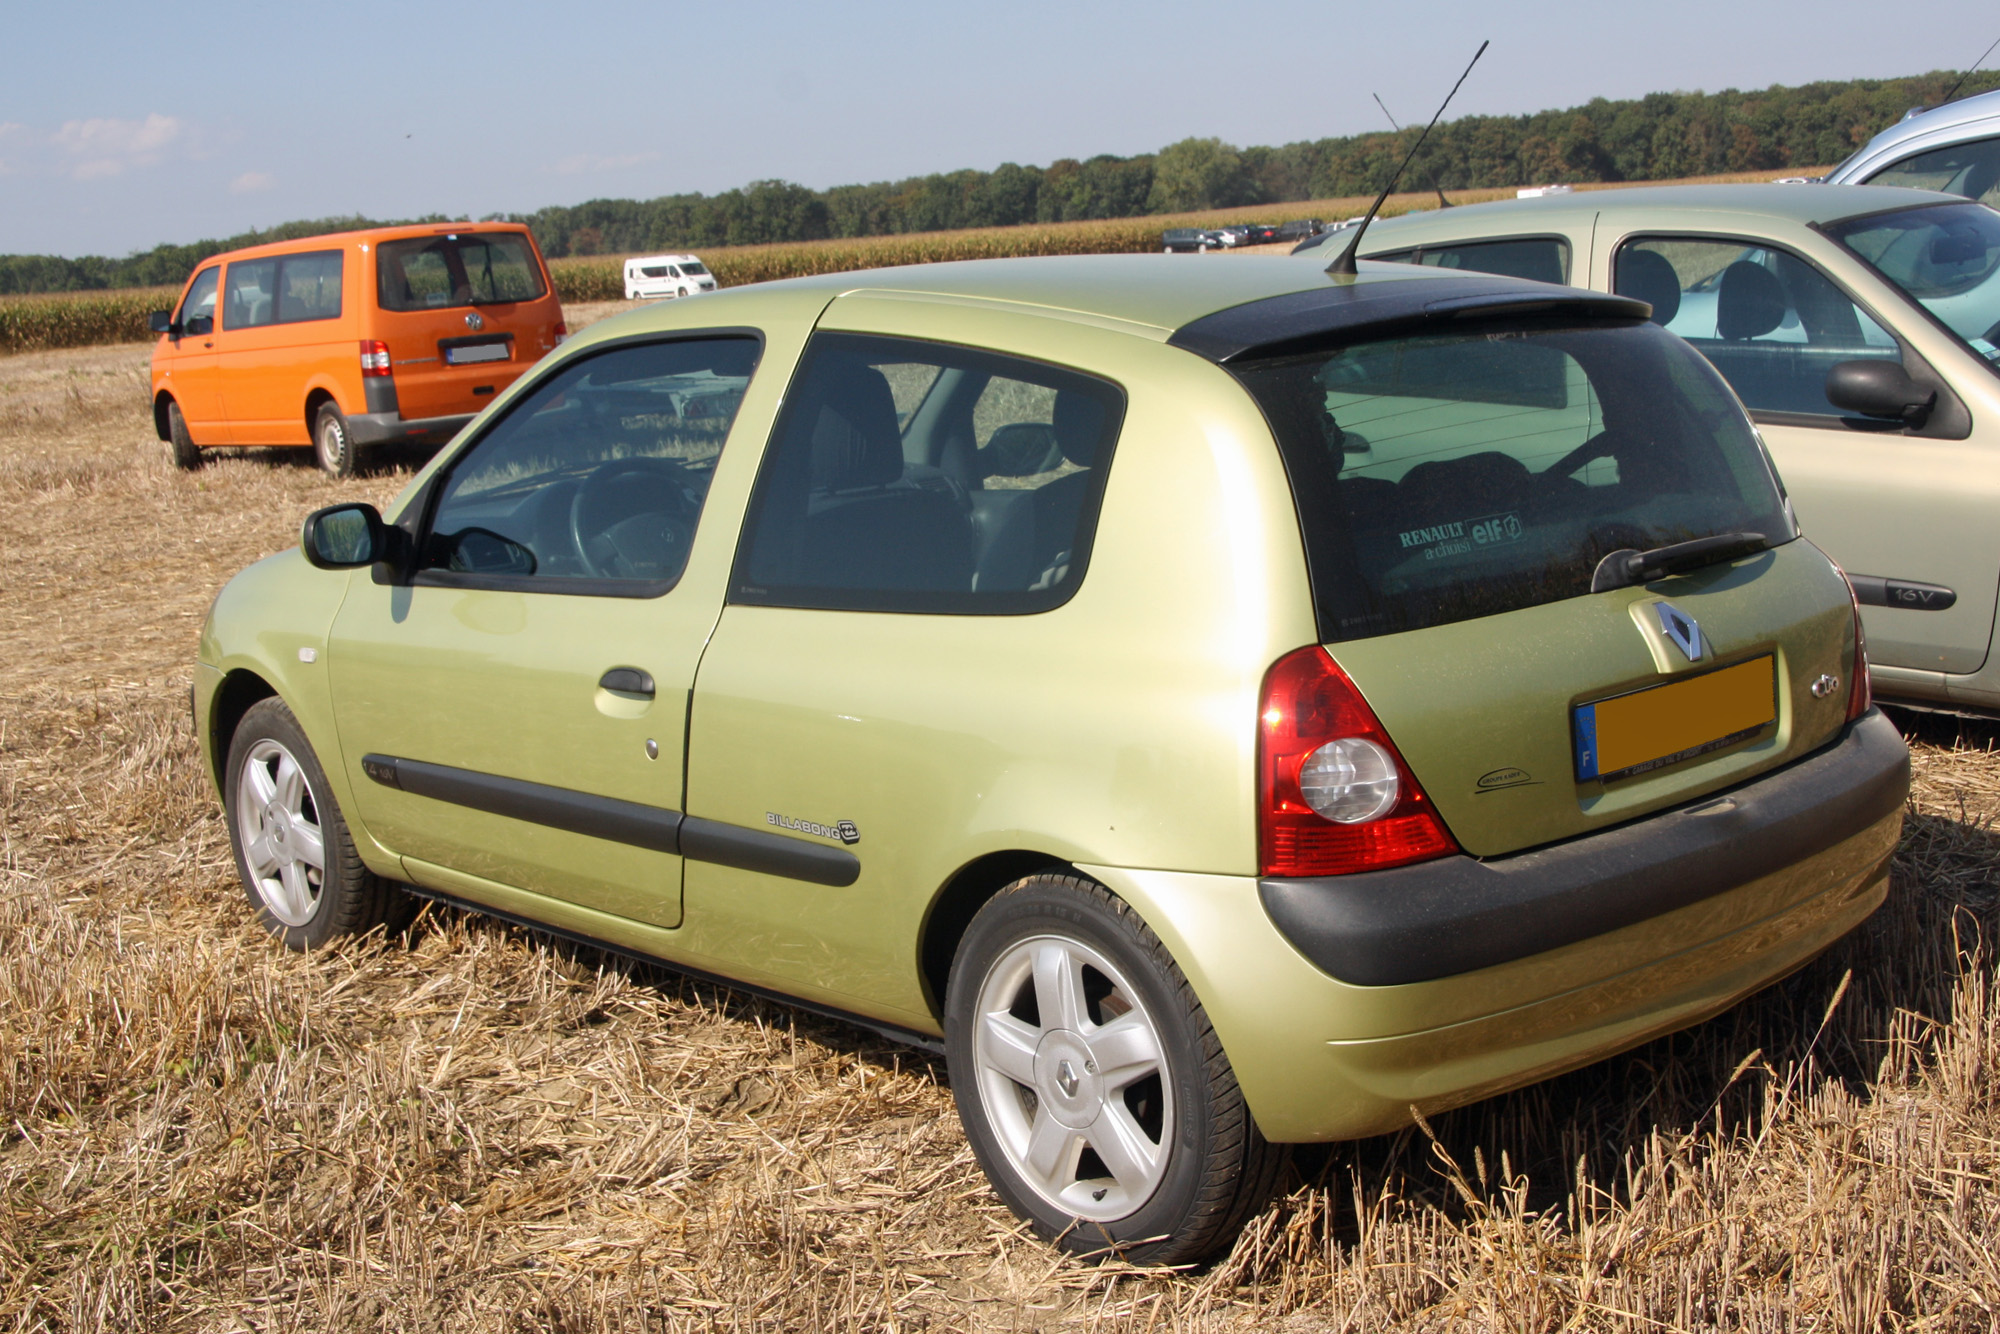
(1682, 630)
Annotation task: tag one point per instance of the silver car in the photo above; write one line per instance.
(1954, 148)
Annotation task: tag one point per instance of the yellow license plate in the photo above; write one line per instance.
(1662, 725)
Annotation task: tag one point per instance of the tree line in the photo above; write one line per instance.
(1662, 136)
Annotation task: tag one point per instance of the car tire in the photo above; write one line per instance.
(293, 850)
(1114, 1125)
(182, 451)
(333, 445)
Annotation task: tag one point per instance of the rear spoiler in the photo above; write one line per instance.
(1345, 312)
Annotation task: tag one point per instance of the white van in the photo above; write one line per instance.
(666, 275)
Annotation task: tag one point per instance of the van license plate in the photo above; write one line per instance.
(461, 356)
(1661, 725)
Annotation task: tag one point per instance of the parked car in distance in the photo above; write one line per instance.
(666, 276)
(1184, 240)
(1216, 705)
(1859, 326)
(1954, 148)
(390, 334)
(1260, 233)
(1299, 229)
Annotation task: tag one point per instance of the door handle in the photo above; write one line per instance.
(627, 681)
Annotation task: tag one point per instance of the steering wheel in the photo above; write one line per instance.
(633, 519)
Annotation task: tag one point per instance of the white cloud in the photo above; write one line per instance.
(105, 146)
(252, 182)
(583, 162)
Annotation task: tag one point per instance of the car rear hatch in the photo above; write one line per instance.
(1466, 476)
(463, 313)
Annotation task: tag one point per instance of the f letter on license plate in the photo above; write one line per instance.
(1665, 724)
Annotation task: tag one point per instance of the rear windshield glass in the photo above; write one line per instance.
(461, 269)
(1444, 477)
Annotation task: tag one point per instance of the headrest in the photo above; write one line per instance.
(1079, 423)
(1468, 485)
(855, 443)
(1984, 174)
(1649, 276)
(1750, 302)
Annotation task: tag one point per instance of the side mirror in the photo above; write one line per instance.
(161, 322)
(199, 326)
(342, 537)
(1879, 389)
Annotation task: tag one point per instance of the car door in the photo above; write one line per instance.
(191, 374)
(866, 685)
(515, 712)
(1900, 508)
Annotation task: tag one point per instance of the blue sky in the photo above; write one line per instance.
(127, 124)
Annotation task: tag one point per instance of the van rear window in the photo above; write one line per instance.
(458, 269)
(1444, 477)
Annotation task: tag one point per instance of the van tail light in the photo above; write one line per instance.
(374, 357)
(1334, 796)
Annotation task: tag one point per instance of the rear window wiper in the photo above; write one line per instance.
(1626, 567)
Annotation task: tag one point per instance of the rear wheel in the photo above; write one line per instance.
(332, 444)
(293, 849)
(181, 448)
(1092, 1087)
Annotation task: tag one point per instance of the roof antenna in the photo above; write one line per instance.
(1968, 74)
(1442, 201)
(1343, 266)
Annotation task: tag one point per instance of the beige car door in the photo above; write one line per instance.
(1906, 512)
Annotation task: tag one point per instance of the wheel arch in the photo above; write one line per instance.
(240, 689)
(959, 901)
(317, 397)
(160, 427)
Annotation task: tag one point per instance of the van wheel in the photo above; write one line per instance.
(293, 849)
(1092, 1087)
(181, 448)
(331, 443)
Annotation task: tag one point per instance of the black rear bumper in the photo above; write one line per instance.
(1458, 914)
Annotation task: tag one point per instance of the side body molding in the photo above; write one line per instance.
(630, 822)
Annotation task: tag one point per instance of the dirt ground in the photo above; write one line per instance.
(477, 1128)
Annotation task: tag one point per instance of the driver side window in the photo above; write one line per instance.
(595, 479)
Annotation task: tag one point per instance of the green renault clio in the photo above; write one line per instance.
(1219, 706)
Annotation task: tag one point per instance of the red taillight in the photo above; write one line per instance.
(374, 357)
(1308, 705)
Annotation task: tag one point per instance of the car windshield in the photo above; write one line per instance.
(1443, 477)
(692, 267)
(1944, 257)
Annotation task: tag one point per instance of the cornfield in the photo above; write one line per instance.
(79, 319)
(41, 323)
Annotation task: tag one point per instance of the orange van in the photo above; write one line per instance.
(350, 340)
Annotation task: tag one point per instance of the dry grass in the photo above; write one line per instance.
(476, 1129)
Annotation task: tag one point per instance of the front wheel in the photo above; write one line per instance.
(181, 448)
(293, 850)
(1092, 1087)
(332, 444)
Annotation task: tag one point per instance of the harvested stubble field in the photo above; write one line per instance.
(476, 1128)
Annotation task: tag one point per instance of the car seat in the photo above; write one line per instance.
(1749, 302)
(1079, 428)
(1649, 276)
(867, 524)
